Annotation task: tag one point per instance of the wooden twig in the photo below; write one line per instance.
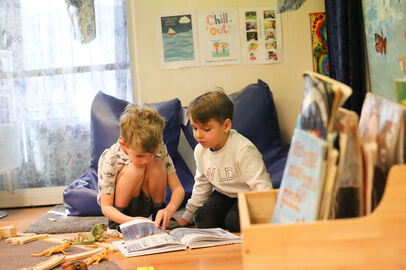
(26, 239)
(48, 264)
(8, 231)
(82, 255)
(58, 259)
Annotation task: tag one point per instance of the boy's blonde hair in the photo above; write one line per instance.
(214, 104)
(141, 127)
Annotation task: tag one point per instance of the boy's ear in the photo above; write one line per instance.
(122, 144)
(227, 124)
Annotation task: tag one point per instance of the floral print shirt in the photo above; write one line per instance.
(113, 159)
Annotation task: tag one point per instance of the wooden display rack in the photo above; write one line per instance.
(376, 241)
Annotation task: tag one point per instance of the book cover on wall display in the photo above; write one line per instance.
(177, 36)
(261, 35)
(303, 179)
(219, 36)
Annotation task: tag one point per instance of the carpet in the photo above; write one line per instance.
(56, 221)
(19, 256)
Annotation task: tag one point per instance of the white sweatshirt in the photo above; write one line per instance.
(236, 167)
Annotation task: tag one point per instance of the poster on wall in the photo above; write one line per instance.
(319, 43)
(385, 32)
(177, 40)
(262, 37)
(219, 39)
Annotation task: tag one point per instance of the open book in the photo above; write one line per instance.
(142, 237)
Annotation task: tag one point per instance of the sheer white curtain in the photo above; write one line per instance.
(63, 52)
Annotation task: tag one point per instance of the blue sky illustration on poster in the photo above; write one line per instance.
(178, 40)
(385, 30)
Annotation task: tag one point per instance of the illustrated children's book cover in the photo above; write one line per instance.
(322, 97)
(177, 36)
(302, 181)
(382, 121)
(348, 189)
(219, 37)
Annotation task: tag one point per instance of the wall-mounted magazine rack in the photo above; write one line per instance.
(376, 241)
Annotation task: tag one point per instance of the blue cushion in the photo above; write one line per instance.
(105, 123)
(80, 196)
(256, 118)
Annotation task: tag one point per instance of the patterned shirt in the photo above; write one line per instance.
(113, 159)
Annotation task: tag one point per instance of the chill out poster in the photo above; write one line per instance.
(219, 37)
(177, 35)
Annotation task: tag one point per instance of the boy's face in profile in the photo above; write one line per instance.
(211, 134)
(138, 156)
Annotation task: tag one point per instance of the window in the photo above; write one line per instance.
(63, 53)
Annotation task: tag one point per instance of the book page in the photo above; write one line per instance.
(142, 234)
(195, 238)
(159, 249)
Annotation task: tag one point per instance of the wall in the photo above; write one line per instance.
(284, 79)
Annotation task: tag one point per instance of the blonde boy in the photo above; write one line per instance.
(135, 171)
(227, 163)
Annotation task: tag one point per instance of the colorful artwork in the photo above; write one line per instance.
(262, 36)
(177, 37)
(385, 31)
(219, 38)
(319, 43)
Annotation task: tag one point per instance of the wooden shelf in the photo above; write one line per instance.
(376, 241)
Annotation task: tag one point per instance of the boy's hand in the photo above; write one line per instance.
(163, 217)
(182, 222)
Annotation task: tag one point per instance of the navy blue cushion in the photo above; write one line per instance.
(105, 123)
(256, 118)
(80, 195)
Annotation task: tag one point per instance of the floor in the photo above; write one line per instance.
(213, 258)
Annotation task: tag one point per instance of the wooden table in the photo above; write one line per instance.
(213, 258)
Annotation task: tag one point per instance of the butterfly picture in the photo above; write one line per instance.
(380, 43)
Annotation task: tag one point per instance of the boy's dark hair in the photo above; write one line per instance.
(214, 104)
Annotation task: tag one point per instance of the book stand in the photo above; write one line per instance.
(375, 241)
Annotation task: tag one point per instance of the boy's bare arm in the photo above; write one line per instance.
(109, 211)
(177, 196)
(178, 193)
